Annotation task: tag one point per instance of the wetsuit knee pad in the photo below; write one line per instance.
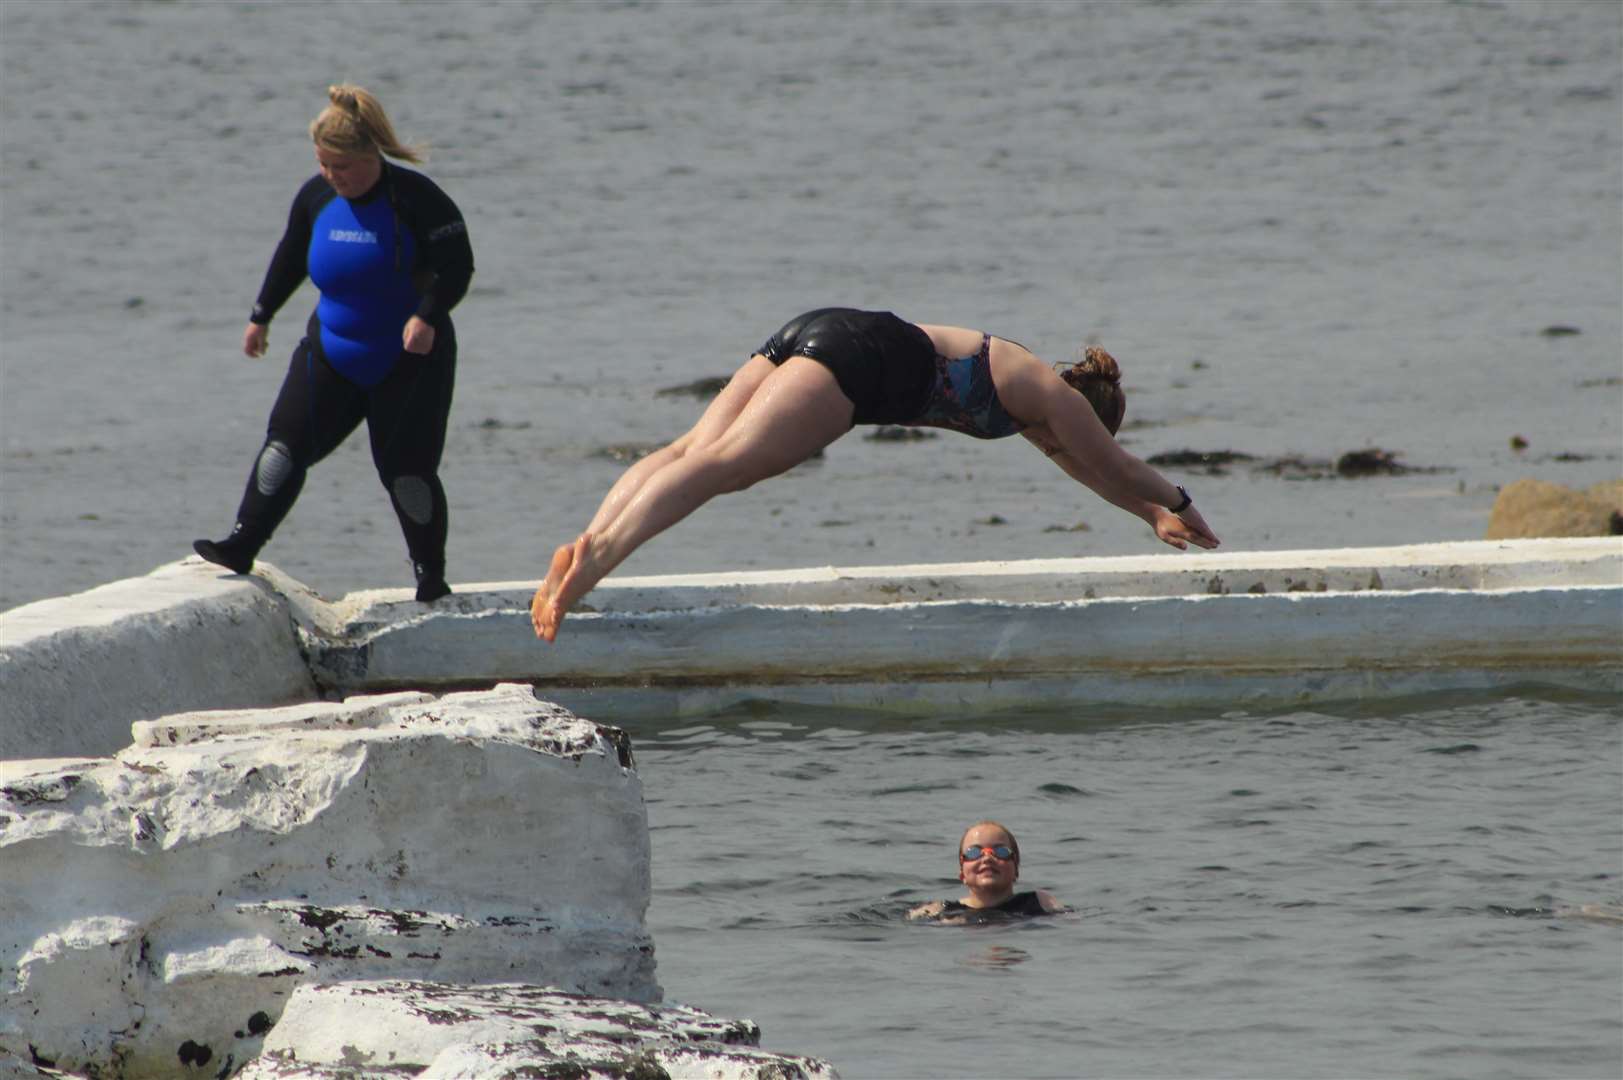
(415, 497)
(274, 467)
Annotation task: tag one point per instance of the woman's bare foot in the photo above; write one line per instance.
(582, 573)
(555, 574)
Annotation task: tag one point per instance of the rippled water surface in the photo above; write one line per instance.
(1432, 888)
(1303, 228)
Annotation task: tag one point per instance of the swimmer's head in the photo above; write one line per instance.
(986, 833)
(354, 123)
(988, 874)
(1098, 378)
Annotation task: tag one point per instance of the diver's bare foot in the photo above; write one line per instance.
(555, 573)
(583, 573)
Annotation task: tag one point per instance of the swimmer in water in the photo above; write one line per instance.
(989, 865)
(830, 369)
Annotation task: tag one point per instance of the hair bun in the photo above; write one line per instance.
(1100, 364)
(1097, 377)
(343, 96)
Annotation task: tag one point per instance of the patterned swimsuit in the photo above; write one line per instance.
(963, 397)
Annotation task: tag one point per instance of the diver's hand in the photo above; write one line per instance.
(1181, 530)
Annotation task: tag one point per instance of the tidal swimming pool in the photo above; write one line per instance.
(1430, 887)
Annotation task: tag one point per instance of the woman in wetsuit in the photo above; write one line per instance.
(389, 252)
(831, 368)
(988, 865)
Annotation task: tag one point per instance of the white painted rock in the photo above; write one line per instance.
(157, 908)
(74, 671)
(434, 1030)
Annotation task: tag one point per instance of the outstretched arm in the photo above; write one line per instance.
(1064, 426)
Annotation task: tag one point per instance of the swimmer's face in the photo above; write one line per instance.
(350, 175)
(987, 872)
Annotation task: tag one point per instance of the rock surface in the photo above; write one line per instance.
(397, 1028)
(75, 671)
(1534, 508)
(158, 908)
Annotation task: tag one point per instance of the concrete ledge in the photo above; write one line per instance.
(75, 671)
(1257, 627)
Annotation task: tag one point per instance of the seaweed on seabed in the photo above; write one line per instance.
(699, 388)
(897, 433)
(625, 453)
(1211, 462)
(1371, 461)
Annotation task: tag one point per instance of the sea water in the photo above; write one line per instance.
(1430, 887)
(1303, 229)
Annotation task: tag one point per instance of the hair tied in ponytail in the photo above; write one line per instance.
(355, 123)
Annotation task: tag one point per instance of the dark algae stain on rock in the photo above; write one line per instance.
(191, 1054)
(56, 789)
(319, 918)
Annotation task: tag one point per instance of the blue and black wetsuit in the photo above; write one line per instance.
(399, 250)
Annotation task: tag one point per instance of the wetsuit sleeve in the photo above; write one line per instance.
(442, 243)
(289, 266)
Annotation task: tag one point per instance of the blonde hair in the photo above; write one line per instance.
(354, 123)
(1097, 377)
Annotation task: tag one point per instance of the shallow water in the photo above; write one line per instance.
(1394, 890)
(1303, 228)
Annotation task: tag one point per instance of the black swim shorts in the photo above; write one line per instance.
(885, 365)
